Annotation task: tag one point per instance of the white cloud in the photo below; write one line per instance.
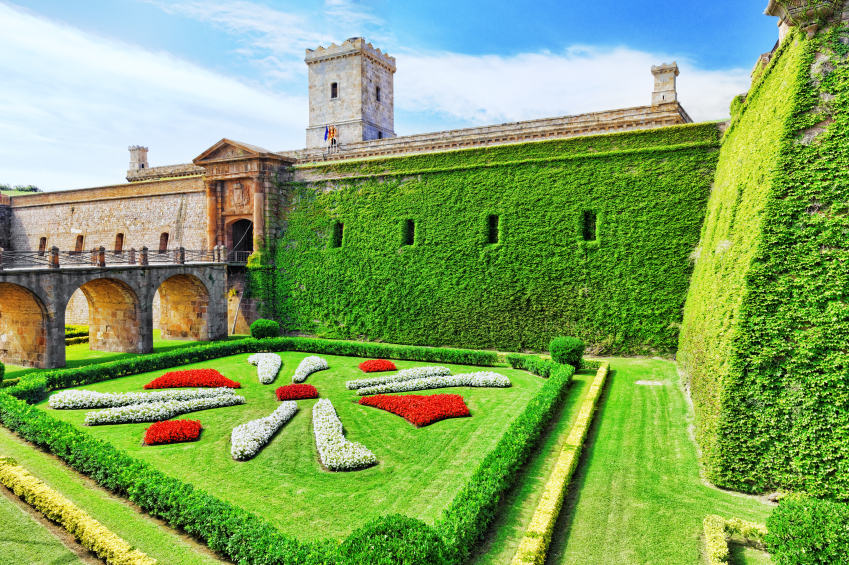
(494, 89)
(71, 103)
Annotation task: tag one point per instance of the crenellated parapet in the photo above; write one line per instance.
(350, 47)
(805, 14)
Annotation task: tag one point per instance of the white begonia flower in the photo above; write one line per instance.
(249, 438)
(73, 399)
(158, 411)
(481, 379)
(336, 452)
(267, 366)
(309, 366)
(400, 376)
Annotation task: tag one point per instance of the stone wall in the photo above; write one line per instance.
(77, 310)
(5, 220)
(141, 211)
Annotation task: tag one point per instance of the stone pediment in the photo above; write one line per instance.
(229, 149)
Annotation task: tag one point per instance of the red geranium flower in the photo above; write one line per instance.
(172, 431)
(420, 410)
(193, 377)
(296, 392)
(377, 366)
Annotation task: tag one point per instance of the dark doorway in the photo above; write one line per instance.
(243, 236)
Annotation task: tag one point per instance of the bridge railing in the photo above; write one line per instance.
(53, 258)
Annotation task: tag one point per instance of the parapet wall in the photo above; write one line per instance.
(142, 212)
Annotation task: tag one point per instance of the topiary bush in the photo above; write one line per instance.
(262, 329)
(567, 351)
(808, 531)
(2, 371)
(393, 540)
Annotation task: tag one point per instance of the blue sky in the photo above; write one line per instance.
(83, 80)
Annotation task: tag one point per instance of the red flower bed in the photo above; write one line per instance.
(172, 431)
(296, 392)
(377, 366)
(420, 410)
(193, 377)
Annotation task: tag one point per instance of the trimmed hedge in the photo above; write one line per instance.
(567, 351)
(2, 372)
(243, 536)
(262, 329)
(90, 533)
(33, 387)
(808, 531)
(75, 331)
(76, 340)
(393, 540)
(465, 522)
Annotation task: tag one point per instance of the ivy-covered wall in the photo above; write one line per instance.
(765, 340)
(621, 287)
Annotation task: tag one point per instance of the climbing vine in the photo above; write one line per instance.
(420, 262)
(767, 318)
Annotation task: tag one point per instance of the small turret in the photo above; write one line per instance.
(138, 158)
(665, 87)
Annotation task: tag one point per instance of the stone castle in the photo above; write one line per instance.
(220, 198)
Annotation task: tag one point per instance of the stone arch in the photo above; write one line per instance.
(184, 308)
(23, 327)
(114, 316)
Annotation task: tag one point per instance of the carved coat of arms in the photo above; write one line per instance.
(240, 197)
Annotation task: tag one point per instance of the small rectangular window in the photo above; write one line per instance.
(380, 135)
(42, 246)
(409, 232)
(163, 242)
(338, 234)
(589, 226)
(119, 243)
(334, 90)
(377, 93)
(79, 246)
(492, 229)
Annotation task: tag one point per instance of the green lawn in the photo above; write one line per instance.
(23, 540)
(637, 497)
(80, 355)
(420, 470)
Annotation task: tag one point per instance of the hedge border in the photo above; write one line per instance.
(76, 340)
(33, 387)
(239, 534)
(534, 545)
(717, 530)
(89, 532)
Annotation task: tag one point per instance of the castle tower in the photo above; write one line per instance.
(138, 158)
(351, 86)
(665, 88)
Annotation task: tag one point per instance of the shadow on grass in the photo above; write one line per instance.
(743, 554)
(523, 496)
(80, 355)
(563, 526)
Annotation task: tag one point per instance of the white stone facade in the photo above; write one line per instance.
(355, 106)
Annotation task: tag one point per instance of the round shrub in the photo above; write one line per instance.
(567, 351)
(2, 371)
(265, 328)
(394, 540)
(808, 531)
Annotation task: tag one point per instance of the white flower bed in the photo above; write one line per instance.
(249, 438)
(336, 452)
(267, 366)
(73, 399)
(158, 411)
(400, 376)
(481, 379)
(309, 366)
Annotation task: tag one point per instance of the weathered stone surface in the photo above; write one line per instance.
(33, 307)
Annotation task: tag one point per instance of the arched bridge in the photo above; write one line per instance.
(35, 288)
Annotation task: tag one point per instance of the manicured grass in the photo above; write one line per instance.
(520, 503)
(80, 355)
(420, 470)
(739, 554)
(160, 542)
(24, 540)
(637, 497)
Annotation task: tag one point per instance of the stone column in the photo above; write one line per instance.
(259, 214)
(212, 212)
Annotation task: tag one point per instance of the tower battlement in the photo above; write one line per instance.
(352, 46)
(665, 85)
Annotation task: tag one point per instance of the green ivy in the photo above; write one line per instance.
(622, 292)
(766, 325)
